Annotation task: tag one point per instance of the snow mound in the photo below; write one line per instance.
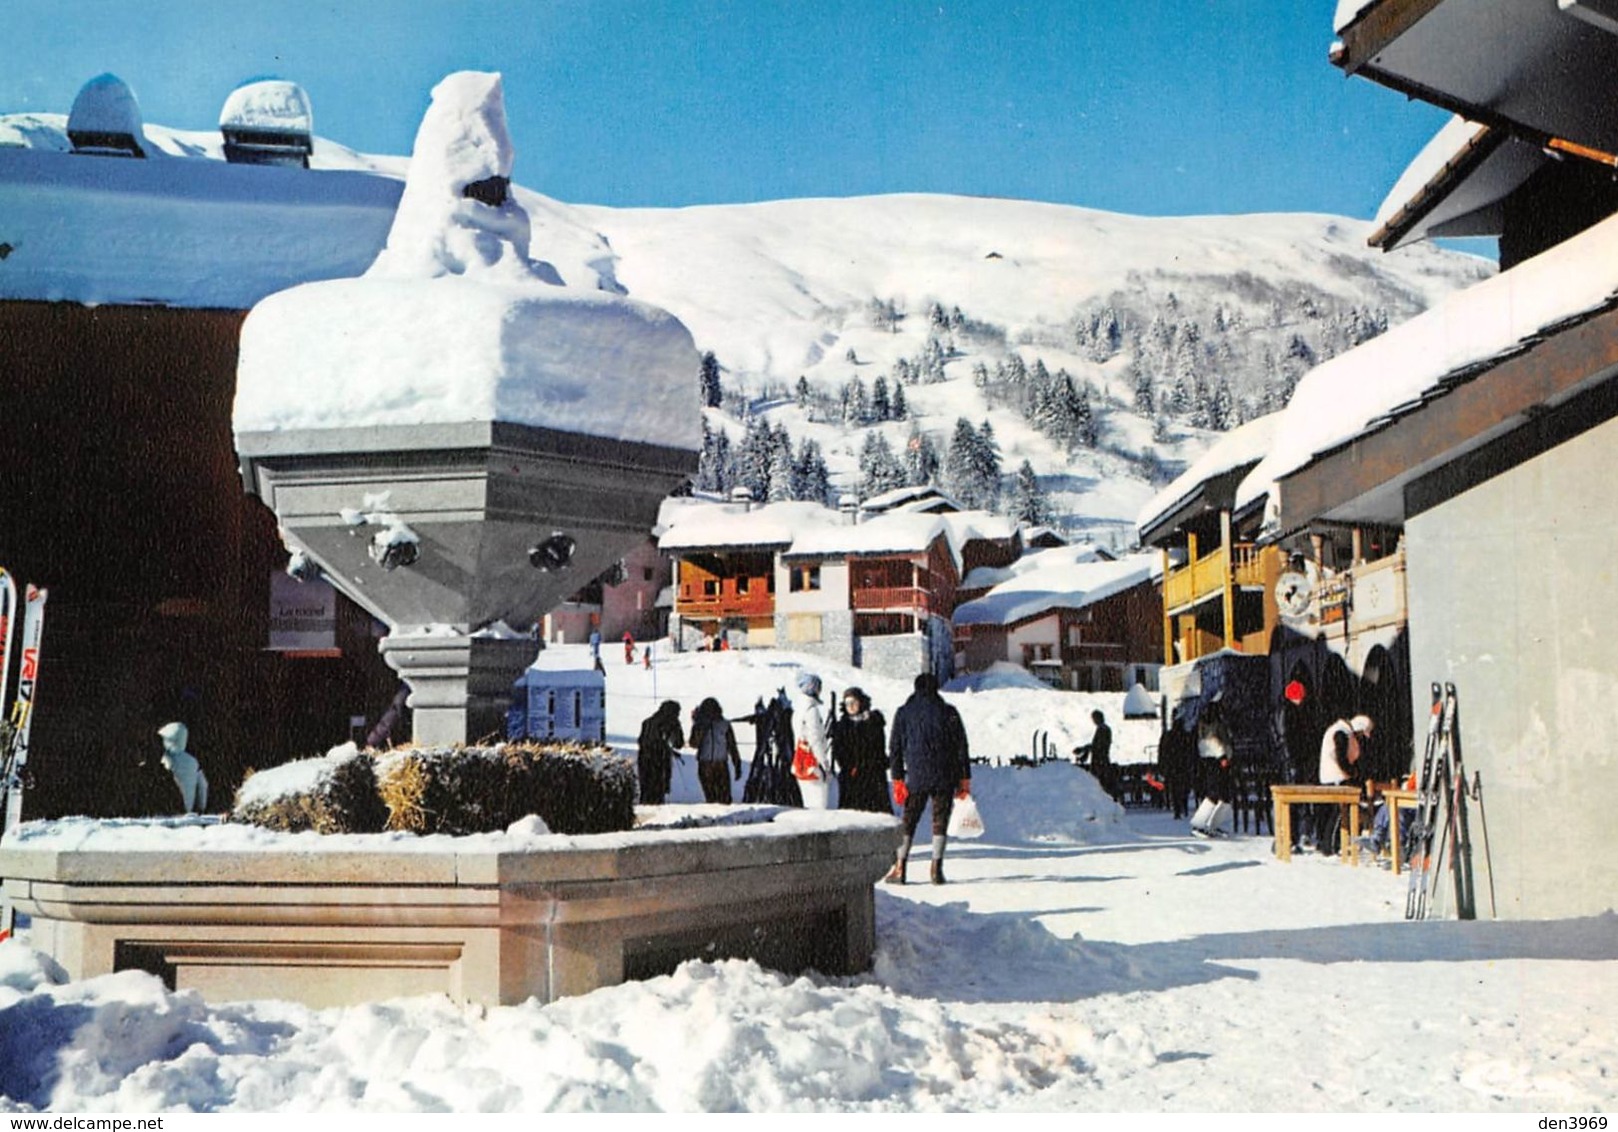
(454, 323)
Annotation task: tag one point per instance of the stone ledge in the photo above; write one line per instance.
(476, 920)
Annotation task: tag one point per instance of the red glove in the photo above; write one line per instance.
(899, 791)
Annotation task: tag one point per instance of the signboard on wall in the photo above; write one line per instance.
(303, 616)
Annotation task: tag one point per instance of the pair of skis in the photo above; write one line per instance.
(19, 721)
(1443, 786)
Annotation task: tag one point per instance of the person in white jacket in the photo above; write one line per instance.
(809, 727)
(182, 764)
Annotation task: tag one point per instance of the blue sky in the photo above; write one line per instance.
(1148, 106)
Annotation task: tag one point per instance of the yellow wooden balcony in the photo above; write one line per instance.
(1205, 578)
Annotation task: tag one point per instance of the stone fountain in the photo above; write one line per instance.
(458, 442)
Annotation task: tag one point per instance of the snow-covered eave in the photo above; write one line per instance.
(1467, 334)
(1015, 608)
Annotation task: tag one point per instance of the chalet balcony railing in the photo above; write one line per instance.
(899, 598)
(724, 605)
(1206, 576)
(1091, 651)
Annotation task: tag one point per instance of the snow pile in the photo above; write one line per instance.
(301, 776)
(454, 323)
(442, 230)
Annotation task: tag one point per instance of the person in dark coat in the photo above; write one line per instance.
(1097, 754)
(660, 741)
(715, 742)
(930, 763)
(1176, 758)
(859, 750)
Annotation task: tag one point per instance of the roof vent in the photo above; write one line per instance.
(268, 123)
(849, 507)
(742, 495)
(105, 119)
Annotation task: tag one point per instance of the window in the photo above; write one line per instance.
(742, 584)
(1072, 636)
(647, 574)
(710, 587)
(804, 628)
(805, 578)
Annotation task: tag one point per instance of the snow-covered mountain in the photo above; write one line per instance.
(1180, 311)
(1010, 312)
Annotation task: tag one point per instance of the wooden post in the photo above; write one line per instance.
(1168, 620)
(1229, 580)
(1358, 543)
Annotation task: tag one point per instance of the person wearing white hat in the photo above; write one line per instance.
(1340, 751)
(182, 764)
(809, 733)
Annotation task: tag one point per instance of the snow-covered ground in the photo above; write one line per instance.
(1079, 959)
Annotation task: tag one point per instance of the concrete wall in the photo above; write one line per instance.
(1512, 598)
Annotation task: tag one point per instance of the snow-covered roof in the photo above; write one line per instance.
(695, 526)
(1348, 11)
(926, 494)
(810, 530)
(1056, 584)
(1456, 185)
(182, 233)
(1239, 448)
(454, 322)
(1395, 373)
(987, 577)
(893, 532)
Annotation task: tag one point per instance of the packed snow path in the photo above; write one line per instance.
(1080, 959)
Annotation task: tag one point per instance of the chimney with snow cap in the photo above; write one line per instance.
(105, 119)
(742, 496)
(268, 122)
(849, 507)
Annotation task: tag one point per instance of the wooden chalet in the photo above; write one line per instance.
(1074, 620)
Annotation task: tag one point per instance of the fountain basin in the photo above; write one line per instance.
(240, 913)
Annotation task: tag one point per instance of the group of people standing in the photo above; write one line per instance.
(926, 757)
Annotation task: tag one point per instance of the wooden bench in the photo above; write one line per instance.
(1347, 798)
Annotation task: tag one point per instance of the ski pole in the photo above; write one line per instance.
(1483, 828)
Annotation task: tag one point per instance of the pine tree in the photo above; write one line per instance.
(986, 461)
(708, 379)
(856, 409)
(880, 470)
(782, 471)
(803, 392)
(810, 478)
(899, 410)
(881, 408)
(1029, 503)
(921, 459)
(960, 463)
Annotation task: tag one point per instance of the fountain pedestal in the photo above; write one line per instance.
(501, 523)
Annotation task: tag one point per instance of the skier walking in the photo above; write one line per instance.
(930, 763)
(809, 730)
